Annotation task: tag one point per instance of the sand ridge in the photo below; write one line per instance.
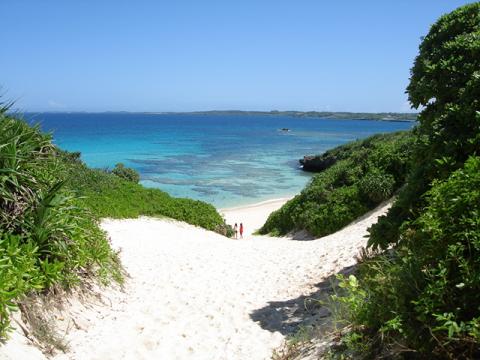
(191, 293)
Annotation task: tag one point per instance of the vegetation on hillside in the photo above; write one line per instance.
(359, 176)
(117, 194)
(389, 116)
(417, 295)
(46, 238)
(126, 173)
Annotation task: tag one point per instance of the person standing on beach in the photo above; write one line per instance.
(241, 230)
(235, 229)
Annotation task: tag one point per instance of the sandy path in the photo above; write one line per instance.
(192, 293)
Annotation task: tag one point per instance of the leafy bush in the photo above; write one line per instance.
(19, 274)
(447, 241)
(126, 173)
(45, 237)
(423, 295)
(376, 187)
(364, 174)
(445, 81)
(108, 195)
(420, 295)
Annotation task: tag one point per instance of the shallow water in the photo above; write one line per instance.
(225, 160)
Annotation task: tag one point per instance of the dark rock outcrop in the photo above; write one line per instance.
(318, 163)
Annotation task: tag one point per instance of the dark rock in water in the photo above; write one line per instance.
(318, 163)
(285, 129)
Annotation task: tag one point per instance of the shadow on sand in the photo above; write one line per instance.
(312, 310)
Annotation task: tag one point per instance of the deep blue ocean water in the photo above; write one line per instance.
(225, 160)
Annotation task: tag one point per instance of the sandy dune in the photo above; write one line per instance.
(191, 293)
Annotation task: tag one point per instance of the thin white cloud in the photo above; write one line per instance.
(56, 105)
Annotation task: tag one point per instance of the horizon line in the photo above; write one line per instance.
(218, 111)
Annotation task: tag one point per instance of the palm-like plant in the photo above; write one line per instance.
(23, 157)
(44, 237)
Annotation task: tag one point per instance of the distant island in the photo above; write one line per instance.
(340, 115)
(387, 116)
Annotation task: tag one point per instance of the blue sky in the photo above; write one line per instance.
(142, 55)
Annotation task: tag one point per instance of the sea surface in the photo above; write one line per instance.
(227, 160)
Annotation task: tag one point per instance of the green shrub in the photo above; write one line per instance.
(108, 195)
(419, 298)
(45, 237)
(423, 295)
(364, 174)
(448, 129)
(376, 187)
(19, 274)
(446, 242)
(126, 173)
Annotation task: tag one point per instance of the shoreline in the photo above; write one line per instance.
(282, 200)
(252, 216)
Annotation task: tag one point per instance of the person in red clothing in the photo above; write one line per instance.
(241, 230)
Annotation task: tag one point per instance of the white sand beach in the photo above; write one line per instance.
(193, 294)
(252, 216)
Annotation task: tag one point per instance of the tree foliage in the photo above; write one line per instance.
(445, 81)
(420, 297)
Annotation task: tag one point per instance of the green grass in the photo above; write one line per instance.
(364, 173)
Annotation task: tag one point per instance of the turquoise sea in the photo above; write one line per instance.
(227, 160)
